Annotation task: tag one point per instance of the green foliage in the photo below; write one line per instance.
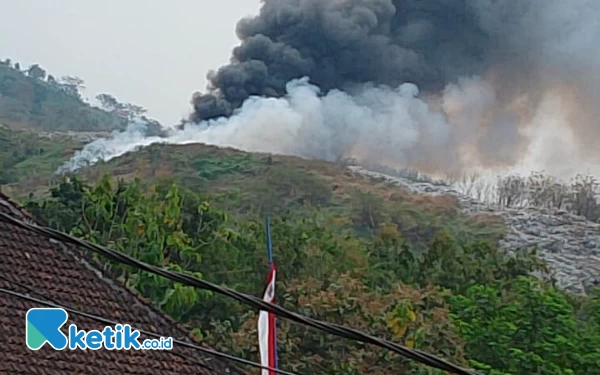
(450, 294)
(24, 154)
(418, 219)
(282, 187)
(149, 227)
(525, 328)
(211, 168)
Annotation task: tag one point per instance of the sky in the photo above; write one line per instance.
(154, 53)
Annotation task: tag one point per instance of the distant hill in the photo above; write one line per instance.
(44, 120)
(31, 99)
(249, 184)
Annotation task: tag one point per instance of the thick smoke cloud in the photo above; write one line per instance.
(526, 53)
(338, 43)
(307, 124)
(439, 85)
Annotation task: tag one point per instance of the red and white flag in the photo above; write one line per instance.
(266, 328)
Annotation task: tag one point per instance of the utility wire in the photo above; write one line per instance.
(178, 342)
(257, 303)
(31, 291)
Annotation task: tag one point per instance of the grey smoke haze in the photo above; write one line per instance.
(526, 49)
(500, 83)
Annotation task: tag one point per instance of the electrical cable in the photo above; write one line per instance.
(257, 303)
(31, 291)
(178, 342)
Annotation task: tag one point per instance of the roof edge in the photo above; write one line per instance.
(113, 283)
(15, 208)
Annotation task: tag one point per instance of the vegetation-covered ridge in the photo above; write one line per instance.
(247, 185)
(350, 250)
(33, 99)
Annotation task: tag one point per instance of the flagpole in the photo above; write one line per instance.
(270, 256)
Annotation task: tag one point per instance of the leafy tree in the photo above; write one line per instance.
(527, 328)
(72, 85)
(108, 102)
(35, 71)
(130, 111)
(413, 317)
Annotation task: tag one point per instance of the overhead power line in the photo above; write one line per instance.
(257, 303)
(148, 333)
(56, 303)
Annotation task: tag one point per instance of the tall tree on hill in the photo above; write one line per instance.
(36, 71)
(72, 85)
(131, 112)
(108, 102)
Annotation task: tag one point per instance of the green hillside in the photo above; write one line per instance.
(32, 100)
(28, 158)
(349, 250)
(247, 185)
(44, 120)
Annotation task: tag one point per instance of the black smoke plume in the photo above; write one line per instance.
(338, 43)
(437, 85)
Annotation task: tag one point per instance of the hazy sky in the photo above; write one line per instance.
(154, 53)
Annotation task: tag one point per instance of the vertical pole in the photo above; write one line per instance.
(269, 247)
(270, 255)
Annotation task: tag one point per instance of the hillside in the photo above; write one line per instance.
(399, 259)
(569, 243)
(27, 157)
(250, 185)
(32, 100)
(254, 184)
(44, 120)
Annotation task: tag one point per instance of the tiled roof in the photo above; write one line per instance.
(60, 274)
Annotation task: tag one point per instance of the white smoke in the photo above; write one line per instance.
(373, 124)
(105, 149)
(392, 121)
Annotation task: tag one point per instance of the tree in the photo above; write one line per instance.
(416, 318)
(37, 72)
(527, 328)
(134, 112)
(130, 111)
(108, 102)
(72, 85)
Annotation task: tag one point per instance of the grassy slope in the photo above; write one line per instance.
(250, 184)
(28, 161)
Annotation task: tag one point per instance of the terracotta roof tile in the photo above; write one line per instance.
(60, 274)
